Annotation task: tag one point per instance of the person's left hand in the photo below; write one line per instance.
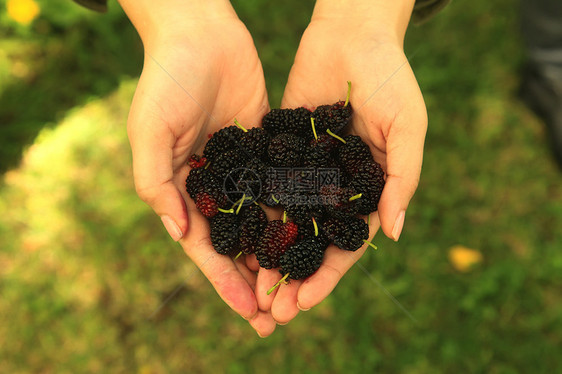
(201, 71)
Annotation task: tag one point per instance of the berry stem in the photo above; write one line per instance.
(313, 128)
(315, 226)
(241, 203)
(226, 211)
(370, 244)
(238, 255)
(239, 125)
(274, 199)
(358, 196)
(335, 136)
(284, 216)
(282, 280)
(348, 94)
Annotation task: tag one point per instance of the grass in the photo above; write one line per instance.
(85, 265)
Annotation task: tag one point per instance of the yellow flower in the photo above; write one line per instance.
(463, 258)
(23, 11)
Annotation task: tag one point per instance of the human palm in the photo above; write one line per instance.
(389, 115)
(190, 87)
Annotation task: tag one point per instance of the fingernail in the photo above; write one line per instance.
(398, 224)
(172, 227)
(260, 335)
(282, 324)
(302, 309)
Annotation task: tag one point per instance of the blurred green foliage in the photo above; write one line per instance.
(66, 57)
(85, 267)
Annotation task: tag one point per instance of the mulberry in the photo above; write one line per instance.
(286, 150)
(221, 141)
(349, 233)
(225, 233)
(276, 238)
(288, 121)
(254, 222)
(302, 259)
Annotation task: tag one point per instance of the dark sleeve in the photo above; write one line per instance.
(425, 9)
(98, 5)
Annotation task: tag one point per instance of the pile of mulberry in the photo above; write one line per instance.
(301, 161)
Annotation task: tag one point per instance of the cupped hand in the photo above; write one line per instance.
(389, 115)
(198, 76)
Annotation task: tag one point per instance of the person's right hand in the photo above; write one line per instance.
(362, 43)
(201, 71)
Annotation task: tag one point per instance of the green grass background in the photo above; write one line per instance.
(84, 265)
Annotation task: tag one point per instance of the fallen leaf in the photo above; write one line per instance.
(463, 258)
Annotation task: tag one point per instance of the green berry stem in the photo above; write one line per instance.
(238, 255)
(241, 203)
(313, 128)
(284, 216)
(358, 196)
(226, 210)
(274, 199)
(315, 226)
(335, 136)
(348, 93)
(370, 244)
(239, 125)
(282, 280)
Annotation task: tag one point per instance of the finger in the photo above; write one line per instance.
(319, 285)
(221, 271)
(152, 148)
(267, 278)
(404, 153)
(403, 161)
(335, 264)
(249, 275)
(284, 307)
(263, 323)
(252, 263)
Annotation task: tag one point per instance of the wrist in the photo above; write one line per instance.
(381, 18)
(157, 21)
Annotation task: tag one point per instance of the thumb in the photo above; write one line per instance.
(403, 167)
(167, 201)
(152, 147)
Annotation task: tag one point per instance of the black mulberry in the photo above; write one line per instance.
(302, 259)
(349, 233)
